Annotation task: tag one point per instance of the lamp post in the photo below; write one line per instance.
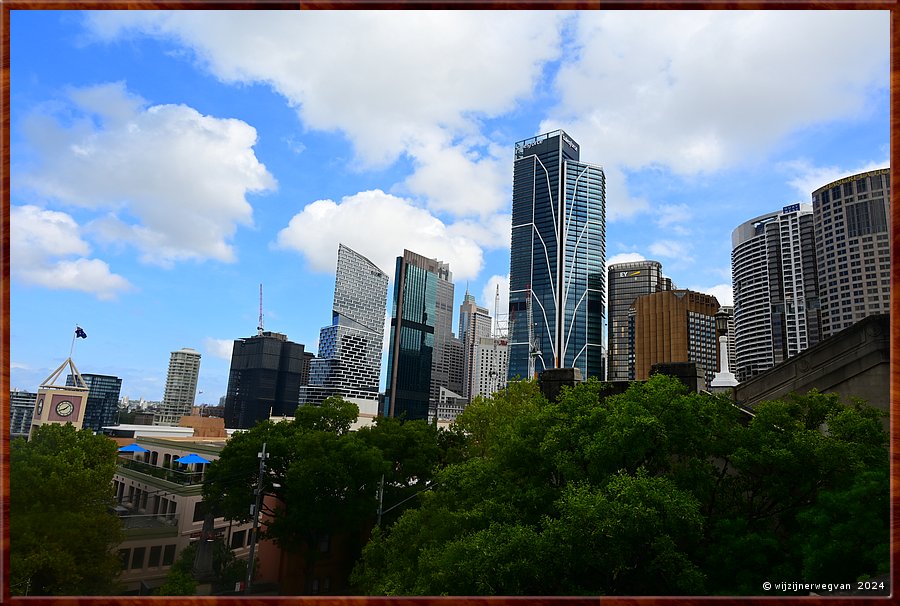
(724, 379)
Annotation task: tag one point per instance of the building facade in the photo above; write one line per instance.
(102, 407)
(474, 324)
(408, 389)
(446, 362)
(557, 258)
(675, 326)
(627, 282)
(57, 403)
(264, 379)
(490, 366)
(160, 503)
(349, 362)
(776, 289)
(853, 248)
(21, 407)
(181, 387)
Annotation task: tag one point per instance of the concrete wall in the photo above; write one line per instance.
(853, 363)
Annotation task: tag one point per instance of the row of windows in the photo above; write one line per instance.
(133, 559)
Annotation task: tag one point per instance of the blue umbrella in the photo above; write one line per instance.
(133, 448)
(191, 458)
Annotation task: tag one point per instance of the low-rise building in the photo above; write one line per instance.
(161, 506)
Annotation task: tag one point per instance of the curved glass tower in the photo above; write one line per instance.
(557, 259)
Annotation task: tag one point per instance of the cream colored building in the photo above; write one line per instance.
(160, 504)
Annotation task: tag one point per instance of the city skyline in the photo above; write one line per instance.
(163, 165)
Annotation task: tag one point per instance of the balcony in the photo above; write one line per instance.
(137, 525)
(182, 477)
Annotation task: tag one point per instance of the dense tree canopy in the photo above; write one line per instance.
(325, 477)
(62, 532)
(653, 491)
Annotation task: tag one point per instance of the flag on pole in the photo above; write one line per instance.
(79, 332)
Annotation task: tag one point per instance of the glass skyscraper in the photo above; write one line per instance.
(411, 353)
(349, 362)
(627, 282)
(102, 406)
(264, 379)
(557, 258)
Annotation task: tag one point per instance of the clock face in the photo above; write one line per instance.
(40, 406)
(64, 408)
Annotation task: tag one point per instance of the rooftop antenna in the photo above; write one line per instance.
(497, 313)
(259, 328)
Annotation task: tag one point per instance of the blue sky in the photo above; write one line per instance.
(164, 164)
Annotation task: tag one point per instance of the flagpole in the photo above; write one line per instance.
(72, 348)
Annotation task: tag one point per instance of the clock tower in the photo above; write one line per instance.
(60, 403)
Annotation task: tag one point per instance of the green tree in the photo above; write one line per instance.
(227, 570)
(325, 477)
(655, 490)
(63, 535)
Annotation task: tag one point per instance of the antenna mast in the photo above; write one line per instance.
(497, 313)
(259, 328)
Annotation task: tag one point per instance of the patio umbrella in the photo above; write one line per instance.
(133, 448)
(191, 458)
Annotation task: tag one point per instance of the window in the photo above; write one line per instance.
(137, 559)
(155, 552)
(168, 555)
(199, 511)
(124, 554)
(238, 539)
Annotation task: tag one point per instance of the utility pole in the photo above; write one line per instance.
(380, 498)
(255, 512)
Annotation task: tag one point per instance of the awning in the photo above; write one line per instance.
(191, 458)
(133, 448)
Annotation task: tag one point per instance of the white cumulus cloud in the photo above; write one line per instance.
(419, 82)
(662, 102)
(219, 348)
(806, 177)
(379, 226)
(724, 293)
(629, 257)
(47, 250)
(169, 180)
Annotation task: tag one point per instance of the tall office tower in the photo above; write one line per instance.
(414, 316)
(627, 282)
(349, 362)
(102, 407)
(264, 380)
(454, 354)
(181, 387)
(490, 366)
(474, 323)
(445, 366)
(675, 326)
(21, 407)
(776, 289)
(556, 269)
(853, 248)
